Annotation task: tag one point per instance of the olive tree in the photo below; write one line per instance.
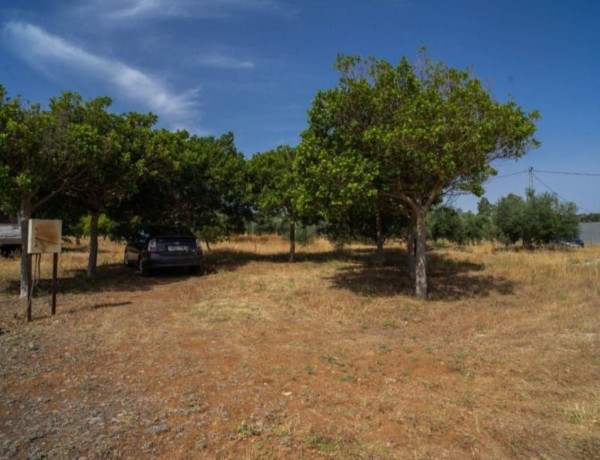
(536, 220)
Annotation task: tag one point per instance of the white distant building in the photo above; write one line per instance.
(589, 232)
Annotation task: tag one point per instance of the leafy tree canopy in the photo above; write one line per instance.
(408, 132)
(195, 181)
(536, 220)
(272, 180)
(273, 184)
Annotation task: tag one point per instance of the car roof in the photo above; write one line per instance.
(166, 230)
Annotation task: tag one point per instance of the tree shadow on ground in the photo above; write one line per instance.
(447, 278)
(229, 260)
(108, 278)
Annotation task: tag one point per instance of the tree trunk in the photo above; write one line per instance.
(411, 248)
(25, 216)
(421, 268)
(292, 257)
(380, 254)
(93, 256)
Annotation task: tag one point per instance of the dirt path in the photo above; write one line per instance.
(269, 360)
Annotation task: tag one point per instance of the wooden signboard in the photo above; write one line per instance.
(44, 238)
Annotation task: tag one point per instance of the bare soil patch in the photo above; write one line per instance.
(330, 357)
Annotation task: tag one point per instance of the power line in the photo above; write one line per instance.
(559, 196)
(551, 191)
(531, 171)
(568, 173)
(506, 175)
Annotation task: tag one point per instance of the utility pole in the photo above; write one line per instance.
(531, 178)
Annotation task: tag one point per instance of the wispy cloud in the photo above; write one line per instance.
(224, 61)
(148, 9)
(45, 51)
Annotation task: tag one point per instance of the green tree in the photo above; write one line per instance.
(589, 217)
(41, 156)
(273, 184)
(569, 223)
(114, 169)
(535, 221)
(410, 133)
(485, 213)
(112, 154)
(545, 219)
(446, 222)
(210, 187)
(509, 218)
(194, 181)
(474, 227)
(113, 162)
(485, 208)
(368, 221)
(455, 225)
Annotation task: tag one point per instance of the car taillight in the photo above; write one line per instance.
(152, 248)
(198, 247)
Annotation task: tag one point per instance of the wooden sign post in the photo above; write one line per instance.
(44, 238)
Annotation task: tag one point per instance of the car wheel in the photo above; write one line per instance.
(144, 270)
(196, 270)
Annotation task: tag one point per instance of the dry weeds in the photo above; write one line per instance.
(330, 357)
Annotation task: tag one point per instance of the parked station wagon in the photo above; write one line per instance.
(155, 247)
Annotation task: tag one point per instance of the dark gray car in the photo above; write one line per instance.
(155, 246)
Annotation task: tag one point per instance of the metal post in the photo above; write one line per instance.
(531, 178)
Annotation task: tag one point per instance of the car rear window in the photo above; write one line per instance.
(163, 231)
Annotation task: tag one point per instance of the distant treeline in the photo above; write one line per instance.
(590, 217)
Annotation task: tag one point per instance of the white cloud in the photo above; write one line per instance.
(146, 9)
(223, 61)
(49, 53)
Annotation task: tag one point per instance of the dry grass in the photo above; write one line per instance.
(330, 357)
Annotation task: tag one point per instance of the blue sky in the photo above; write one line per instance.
(253, 66)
